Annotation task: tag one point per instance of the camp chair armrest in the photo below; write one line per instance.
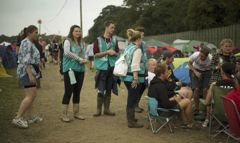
(163, 109)
(175, 110)
(168, 110)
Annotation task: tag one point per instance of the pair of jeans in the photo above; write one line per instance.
(133, 94)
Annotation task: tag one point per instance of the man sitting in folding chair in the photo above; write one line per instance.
(158, 89)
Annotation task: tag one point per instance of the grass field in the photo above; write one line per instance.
(10, 97)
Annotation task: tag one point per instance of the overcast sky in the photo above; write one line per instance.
(16, 14)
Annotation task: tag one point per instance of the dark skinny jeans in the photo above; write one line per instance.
(74, 89)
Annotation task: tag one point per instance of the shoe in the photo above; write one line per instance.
(76, 113)
(205, 123)
(78, 116)
(138, 109)
(134, 125)
(20, 123)
(35, 119)
(191, 126)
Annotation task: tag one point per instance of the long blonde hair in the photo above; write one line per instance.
(133, 35)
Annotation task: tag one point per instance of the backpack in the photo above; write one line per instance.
(121, 66)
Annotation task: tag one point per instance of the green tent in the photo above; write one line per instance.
(188, 45)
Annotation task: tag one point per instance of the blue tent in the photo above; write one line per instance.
(8, 56)
(182, 73)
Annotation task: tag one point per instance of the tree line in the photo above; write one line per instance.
(164, 16)
(167, 16)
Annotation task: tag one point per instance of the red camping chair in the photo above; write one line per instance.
(233, 118)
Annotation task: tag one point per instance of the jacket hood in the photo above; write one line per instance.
(155, 80)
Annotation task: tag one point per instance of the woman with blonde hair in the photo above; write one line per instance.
(224, 55)
(135, 76)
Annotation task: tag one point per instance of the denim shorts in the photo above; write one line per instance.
(25, 82)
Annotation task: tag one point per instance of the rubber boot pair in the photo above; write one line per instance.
(106, 100)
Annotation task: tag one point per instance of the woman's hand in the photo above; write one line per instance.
(111, 52)
(84, 61)
(179, 83)
(198, 74)
(32, 78)
(134, 83)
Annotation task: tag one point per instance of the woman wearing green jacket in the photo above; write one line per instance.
(73, 71)
(135, 77)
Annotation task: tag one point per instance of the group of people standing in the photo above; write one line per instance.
(106, 52)
(142, 73)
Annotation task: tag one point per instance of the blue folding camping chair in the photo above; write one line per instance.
(154, 117)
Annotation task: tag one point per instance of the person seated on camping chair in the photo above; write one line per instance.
(235, 93)
(159, 90)
(174, 84)
(227, 74)
(152, 63)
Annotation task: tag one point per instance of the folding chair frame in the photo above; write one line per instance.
(212, 114)
(229, 110)
(154, 118)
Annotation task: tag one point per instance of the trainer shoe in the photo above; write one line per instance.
(20, 123)
(205, 123)
(35, 119)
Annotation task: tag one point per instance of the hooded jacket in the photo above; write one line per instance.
(158, 89)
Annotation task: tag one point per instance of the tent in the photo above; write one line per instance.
(155, 43)
(5, 44)
(189, 46)
(155, 49)
(8, 56)
(181, 70)
(3, 72)
(122, 43)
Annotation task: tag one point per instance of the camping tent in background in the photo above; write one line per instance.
(155, 43)
(155, 48)
(179, 61)
(187, 46)
(8, 55)
(5, 44)
(3, 72)
(122, 43)
(181, 70)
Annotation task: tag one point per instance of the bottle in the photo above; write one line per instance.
(72, 77)
(220, 61)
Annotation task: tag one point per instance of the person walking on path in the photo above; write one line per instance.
(90, 55)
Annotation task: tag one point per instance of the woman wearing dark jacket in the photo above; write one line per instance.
(159, 91)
